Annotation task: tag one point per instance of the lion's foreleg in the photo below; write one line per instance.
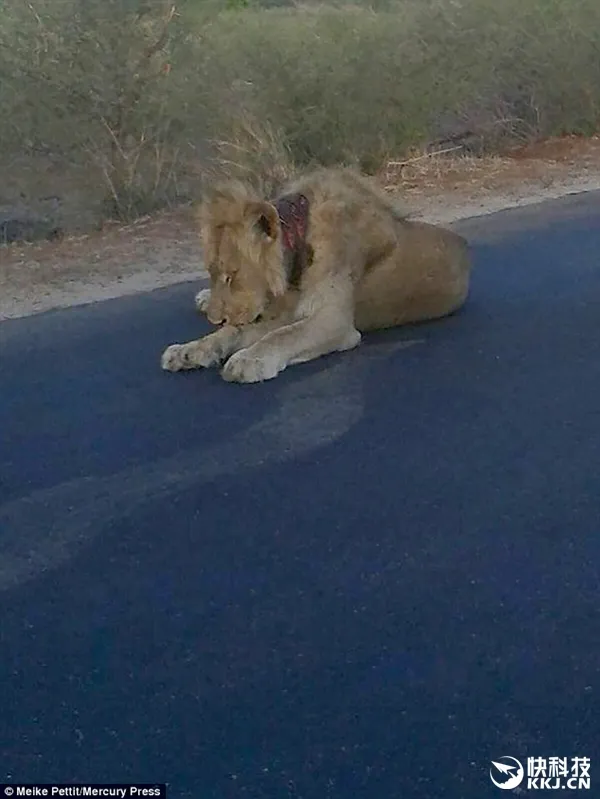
(203, 352)
(329, 328)
(215, 347)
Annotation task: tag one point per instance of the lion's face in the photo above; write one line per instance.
(242, 251)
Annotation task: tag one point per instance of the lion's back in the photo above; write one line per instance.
(347, 188)
(404, 270)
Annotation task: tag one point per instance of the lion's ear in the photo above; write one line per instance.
(266, 219)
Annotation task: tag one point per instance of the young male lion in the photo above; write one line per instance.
(306, 274)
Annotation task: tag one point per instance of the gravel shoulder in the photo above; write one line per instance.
(164, 249)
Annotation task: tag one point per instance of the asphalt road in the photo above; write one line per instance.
(367, 578)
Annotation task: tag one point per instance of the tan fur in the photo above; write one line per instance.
(371, 269)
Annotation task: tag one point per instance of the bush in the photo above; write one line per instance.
(149, 98)
(89, 81)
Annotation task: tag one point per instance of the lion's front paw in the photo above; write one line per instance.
(246, 367)
(202, 299)
(172, 359)
(194, 355)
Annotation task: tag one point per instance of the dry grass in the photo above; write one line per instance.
(255, 152)
(431, 173)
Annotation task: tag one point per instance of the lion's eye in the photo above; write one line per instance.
(227, 279)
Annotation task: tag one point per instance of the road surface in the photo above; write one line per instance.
(363, 580)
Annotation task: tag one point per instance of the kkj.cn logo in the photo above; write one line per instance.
(543, 773)
(506, 773)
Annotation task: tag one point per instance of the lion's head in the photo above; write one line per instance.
(241, 240)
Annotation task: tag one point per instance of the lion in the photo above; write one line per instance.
(308, 272)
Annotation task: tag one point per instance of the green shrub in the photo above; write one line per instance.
(148, 97)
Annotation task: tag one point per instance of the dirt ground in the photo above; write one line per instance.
(164, 249)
